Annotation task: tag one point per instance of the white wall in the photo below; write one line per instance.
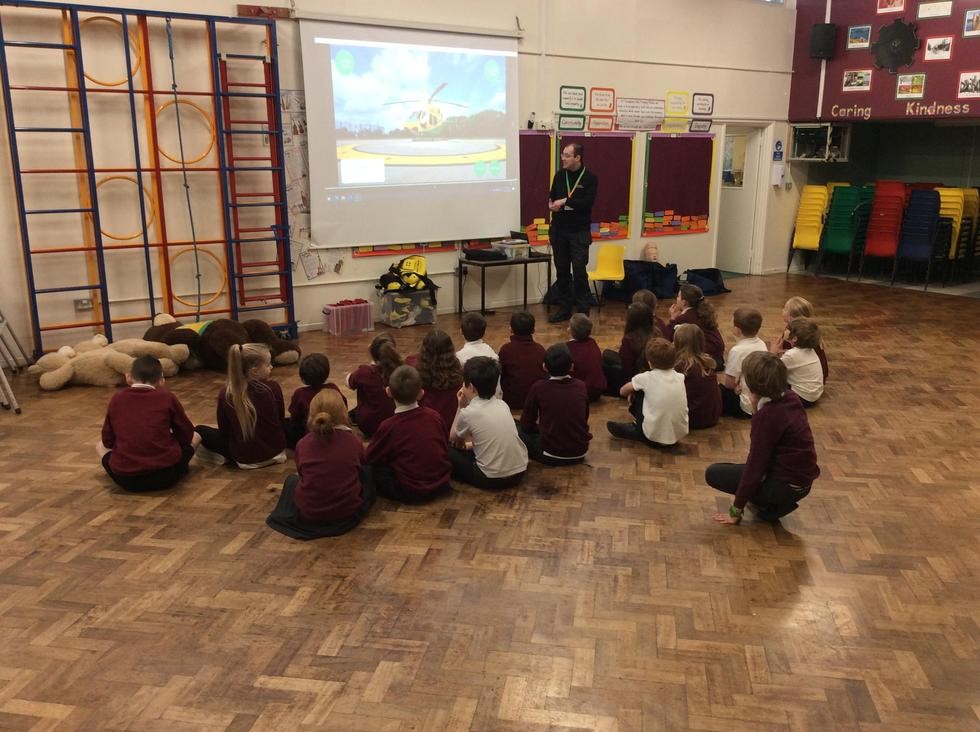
(739, 50)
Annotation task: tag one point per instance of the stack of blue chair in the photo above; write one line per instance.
(917, 241)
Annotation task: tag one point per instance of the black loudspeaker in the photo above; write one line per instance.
(823, 40)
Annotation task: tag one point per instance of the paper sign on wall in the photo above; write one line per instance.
(703, 104)
(639, 114)
(571, 99)
(601, 122)
(571, 122)
(602, 99)
(678, 103)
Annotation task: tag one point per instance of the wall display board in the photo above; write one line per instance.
(537, 164)
(941, 39)
(610, 156)
(678, 184)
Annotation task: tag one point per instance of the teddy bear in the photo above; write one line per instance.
(94, 362)
(210, 340)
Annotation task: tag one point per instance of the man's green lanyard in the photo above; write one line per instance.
(577, 181)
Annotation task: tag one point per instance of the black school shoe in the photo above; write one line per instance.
(625, 430)
(560, 317)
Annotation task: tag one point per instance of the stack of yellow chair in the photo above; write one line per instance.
(951, 206)
(810, 218)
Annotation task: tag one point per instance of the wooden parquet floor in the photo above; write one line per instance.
(598, 597)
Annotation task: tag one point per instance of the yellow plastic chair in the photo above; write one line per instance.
(609, 267)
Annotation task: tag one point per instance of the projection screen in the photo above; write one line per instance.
(412, 134)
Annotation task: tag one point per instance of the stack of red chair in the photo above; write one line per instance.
(885, 222)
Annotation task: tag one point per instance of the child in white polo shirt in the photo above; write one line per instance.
(746, 323)
(659, 400)
(803, 369)
(498, 458)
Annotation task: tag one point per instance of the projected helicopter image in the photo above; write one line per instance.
(412, 115)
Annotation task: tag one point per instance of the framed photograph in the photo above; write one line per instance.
(932, 9)
(891, 6)
(700, 125)
(971, 23)
(969, 86)
(857, 80)
(910, 86)
(938, 48)
(858, 36)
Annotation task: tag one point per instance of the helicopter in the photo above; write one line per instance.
(430, 115)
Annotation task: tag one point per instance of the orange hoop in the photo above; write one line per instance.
(133, 41)
(221, 269)
(153, 208)
(207, 118)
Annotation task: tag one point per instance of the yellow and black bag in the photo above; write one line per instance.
(408, 275)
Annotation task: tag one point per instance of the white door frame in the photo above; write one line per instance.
(760, 194)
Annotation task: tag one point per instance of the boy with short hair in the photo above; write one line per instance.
(314, 370)
(520, 360)
(498, 458)
(147, 439)
(782, 461)
(407, 457)
(659, 400)
(473, 326)
(746, 323)
(555, 423)
(586, 356)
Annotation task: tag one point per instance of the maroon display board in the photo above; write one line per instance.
(610, 156)
(942, 82)
(535, 150)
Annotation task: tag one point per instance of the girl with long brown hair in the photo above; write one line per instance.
(700, 380)
(369, 381)
(442, 376)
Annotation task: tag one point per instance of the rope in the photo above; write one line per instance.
(183, 168)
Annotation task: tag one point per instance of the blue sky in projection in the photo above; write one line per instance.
(382, 86)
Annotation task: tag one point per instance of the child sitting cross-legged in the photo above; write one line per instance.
(442, 376)
(586, 356)
(498, 458)
(250, 411)
(407, 457)
(700, 380)
(555, 422)
(746, 323)
(147, 440)
(658, 400)
(369, 380)
(314, 370)
(327, 496)
(520, 360)
(782, 461)
(803, 369)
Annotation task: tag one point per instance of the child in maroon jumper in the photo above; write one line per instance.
(700, 380)
(555, 423)
(441, 375)
(649, 299)
(782, 461)
(250, 411)
(314, 370)
(408, 457)
(520, 360)
(620, 367)
(326, 496)
(370, 381)
(691, 307)
(147, 440)
(586, 356)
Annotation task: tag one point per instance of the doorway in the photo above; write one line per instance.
(739, 189)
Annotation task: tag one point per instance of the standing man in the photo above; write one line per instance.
(570, 201)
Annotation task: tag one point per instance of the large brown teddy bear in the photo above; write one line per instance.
(209, 341)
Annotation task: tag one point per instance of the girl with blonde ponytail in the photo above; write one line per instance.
(250, 411)
(326, 496)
